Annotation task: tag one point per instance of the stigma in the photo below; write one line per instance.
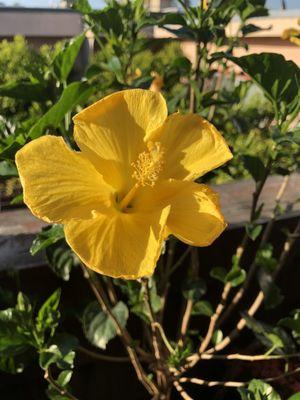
(148, 165)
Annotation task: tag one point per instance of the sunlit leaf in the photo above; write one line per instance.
(99, 327)
(75, 94)
(46, 238)
(64, 61)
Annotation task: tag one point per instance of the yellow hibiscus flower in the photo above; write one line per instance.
(131, 183)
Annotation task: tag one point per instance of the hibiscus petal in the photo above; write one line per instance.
(111, 132)
(195, 216)
(192, 147)
(118, 244)
(59, 183)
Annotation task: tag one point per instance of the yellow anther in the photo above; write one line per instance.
(148, 165)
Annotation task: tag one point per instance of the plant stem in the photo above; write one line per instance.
(192, 107)
(61, 390)
(236, 384)
(246, 357)
(189, 304)
(289, 244)
(185, 321)
(104, 357)
(181, 391)
(214, 319)
(121, 332)
(238, 296)
(161, 378)
(179, 261)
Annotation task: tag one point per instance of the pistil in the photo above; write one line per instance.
(128, 198)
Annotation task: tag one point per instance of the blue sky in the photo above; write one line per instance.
(292, 4)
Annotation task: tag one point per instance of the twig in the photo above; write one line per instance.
(194, 358)
(236, 384)
(181, 391)
(217, 317)
(185, 321)
(238, 296)
(192, 107)
(111, 291)
(121, 332)
(61, 390)
(189, 304)
(161, 378)
(214, 318)
(164, 337)
(179, 261)
(147, 300)
(166, 273)
(104, 357)
(246, 357)
(259, 187)
(260, 297)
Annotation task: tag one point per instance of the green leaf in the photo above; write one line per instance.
(250, 28)
(255, 167)
(17, 199)
(278, 78)
(61, 352)
(26, 91)
(182, 63)
(13, 339)
(236, 276)
(48, 315)
(83, 6)
(272, 293)
(109, 20)
(114, 65)
(135, 294)
(295, 396)
(93, 70)
(217, 337)
(253, 231)
(46, 238)
(76, 93)
(10, 365)
(264, 258)
(172, 19)
(269, 336)
(16, 327)
(99, 327)
(296, 135)
(12, 145)
(64, 377)
(203, 307)
(292, 322)
(23, 303)
(8, 169)
(262, 390)
(65, 59)
(61, 259)
(194, 289)
(218, 273)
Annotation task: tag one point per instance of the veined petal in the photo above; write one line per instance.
(192, 147)
(118, 244)
(59, 183)
(111, 132)
(195, 216)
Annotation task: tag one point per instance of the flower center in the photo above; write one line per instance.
(148, 165)
(146, 171)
